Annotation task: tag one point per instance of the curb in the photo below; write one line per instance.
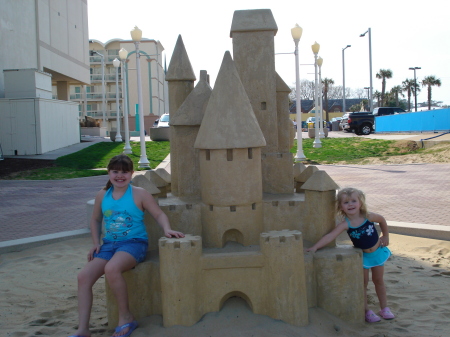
(36, 241)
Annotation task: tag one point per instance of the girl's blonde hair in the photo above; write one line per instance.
(346, 193)
(120, 162)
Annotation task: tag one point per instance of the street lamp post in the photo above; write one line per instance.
(343, 78)
(136, 36)
(415, 87)
(296, 35)
(370, 67)
(315, 49)
(116, 64)
(319, 63)
(123, 54)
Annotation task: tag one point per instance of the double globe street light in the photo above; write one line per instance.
(296, 35)
(123, 55)
(317, 143)
(136, 36)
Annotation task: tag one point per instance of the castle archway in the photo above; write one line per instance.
(236, 294)
(232, 235)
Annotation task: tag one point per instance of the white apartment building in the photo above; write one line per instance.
(44, 44)
(90, 97)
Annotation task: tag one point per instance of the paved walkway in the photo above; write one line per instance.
(416, 193)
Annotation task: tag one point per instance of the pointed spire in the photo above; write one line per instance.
(229, 121)
(180, 68)
(192, 110)
(281, 85)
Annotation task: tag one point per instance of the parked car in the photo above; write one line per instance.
(162, 122)
(336, 119)
(313, 120)
(363, 123)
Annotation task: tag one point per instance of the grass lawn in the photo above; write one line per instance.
(93, 160)
(350, 150)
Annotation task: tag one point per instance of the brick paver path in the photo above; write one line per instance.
(418, 193)
(31, 208)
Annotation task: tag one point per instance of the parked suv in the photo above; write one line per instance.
(363, 123)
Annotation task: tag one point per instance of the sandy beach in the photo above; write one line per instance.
(38, 291)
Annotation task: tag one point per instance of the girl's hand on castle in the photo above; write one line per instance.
(95, 249)
(312, 249)
(384, 241)
(173, 234)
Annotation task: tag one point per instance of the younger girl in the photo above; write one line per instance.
(122, 207)
(351, 208)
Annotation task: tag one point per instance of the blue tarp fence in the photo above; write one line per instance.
(421, 121)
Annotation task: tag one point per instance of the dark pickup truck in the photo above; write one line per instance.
(362, 123)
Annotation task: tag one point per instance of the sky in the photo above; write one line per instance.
(405, 33)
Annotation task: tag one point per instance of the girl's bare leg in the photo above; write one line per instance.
(87, 277)
(120, 262)
(380, 288)
(366, 283)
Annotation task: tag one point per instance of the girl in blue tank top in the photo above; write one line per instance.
(359, 223)
(125, 244)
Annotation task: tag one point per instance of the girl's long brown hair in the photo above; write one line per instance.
(120, 162)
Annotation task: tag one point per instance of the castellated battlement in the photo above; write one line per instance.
(188, 242)
(284, 236)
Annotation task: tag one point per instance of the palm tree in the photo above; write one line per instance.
(383, 74)
(429, 82)
(396, 91)
(327, 82)
(411, 87)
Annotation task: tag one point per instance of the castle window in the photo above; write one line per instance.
(208, 155)
(229, 154)
(253, 206)
(232, 208)
(250, 153)
(263, 106)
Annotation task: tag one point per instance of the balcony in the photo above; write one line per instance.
(95, 59)
(108, 78)
(99, 114)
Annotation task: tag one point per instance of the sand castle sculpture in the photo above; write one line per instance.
(232, 190)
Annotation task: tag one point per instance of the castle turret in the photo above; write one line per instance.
(185, 124)
(230, 142)
(181, 82)
(253, 34)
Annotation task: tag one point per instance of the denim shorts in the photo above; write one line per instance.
(136, 247)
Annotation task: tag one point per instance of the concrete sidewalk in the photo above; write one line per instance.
(413, 198)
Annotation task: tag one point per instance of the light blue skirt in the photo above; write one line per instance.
(376, 258)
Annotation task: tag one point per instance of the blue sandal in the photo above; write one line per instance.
(132, 325)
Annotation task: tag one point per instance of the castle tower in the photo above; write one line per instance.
(180, 77)
(185, 124)
(253, 34)
(230, 142)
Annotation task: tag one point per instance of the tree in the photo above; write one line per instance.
(411, 87)
(377, 95)
(430, 81)
(383, 74)
(327, 83)
(396, 91)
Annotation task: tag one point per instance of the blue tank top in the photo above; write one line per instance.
(364, 236)
(123, 219)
